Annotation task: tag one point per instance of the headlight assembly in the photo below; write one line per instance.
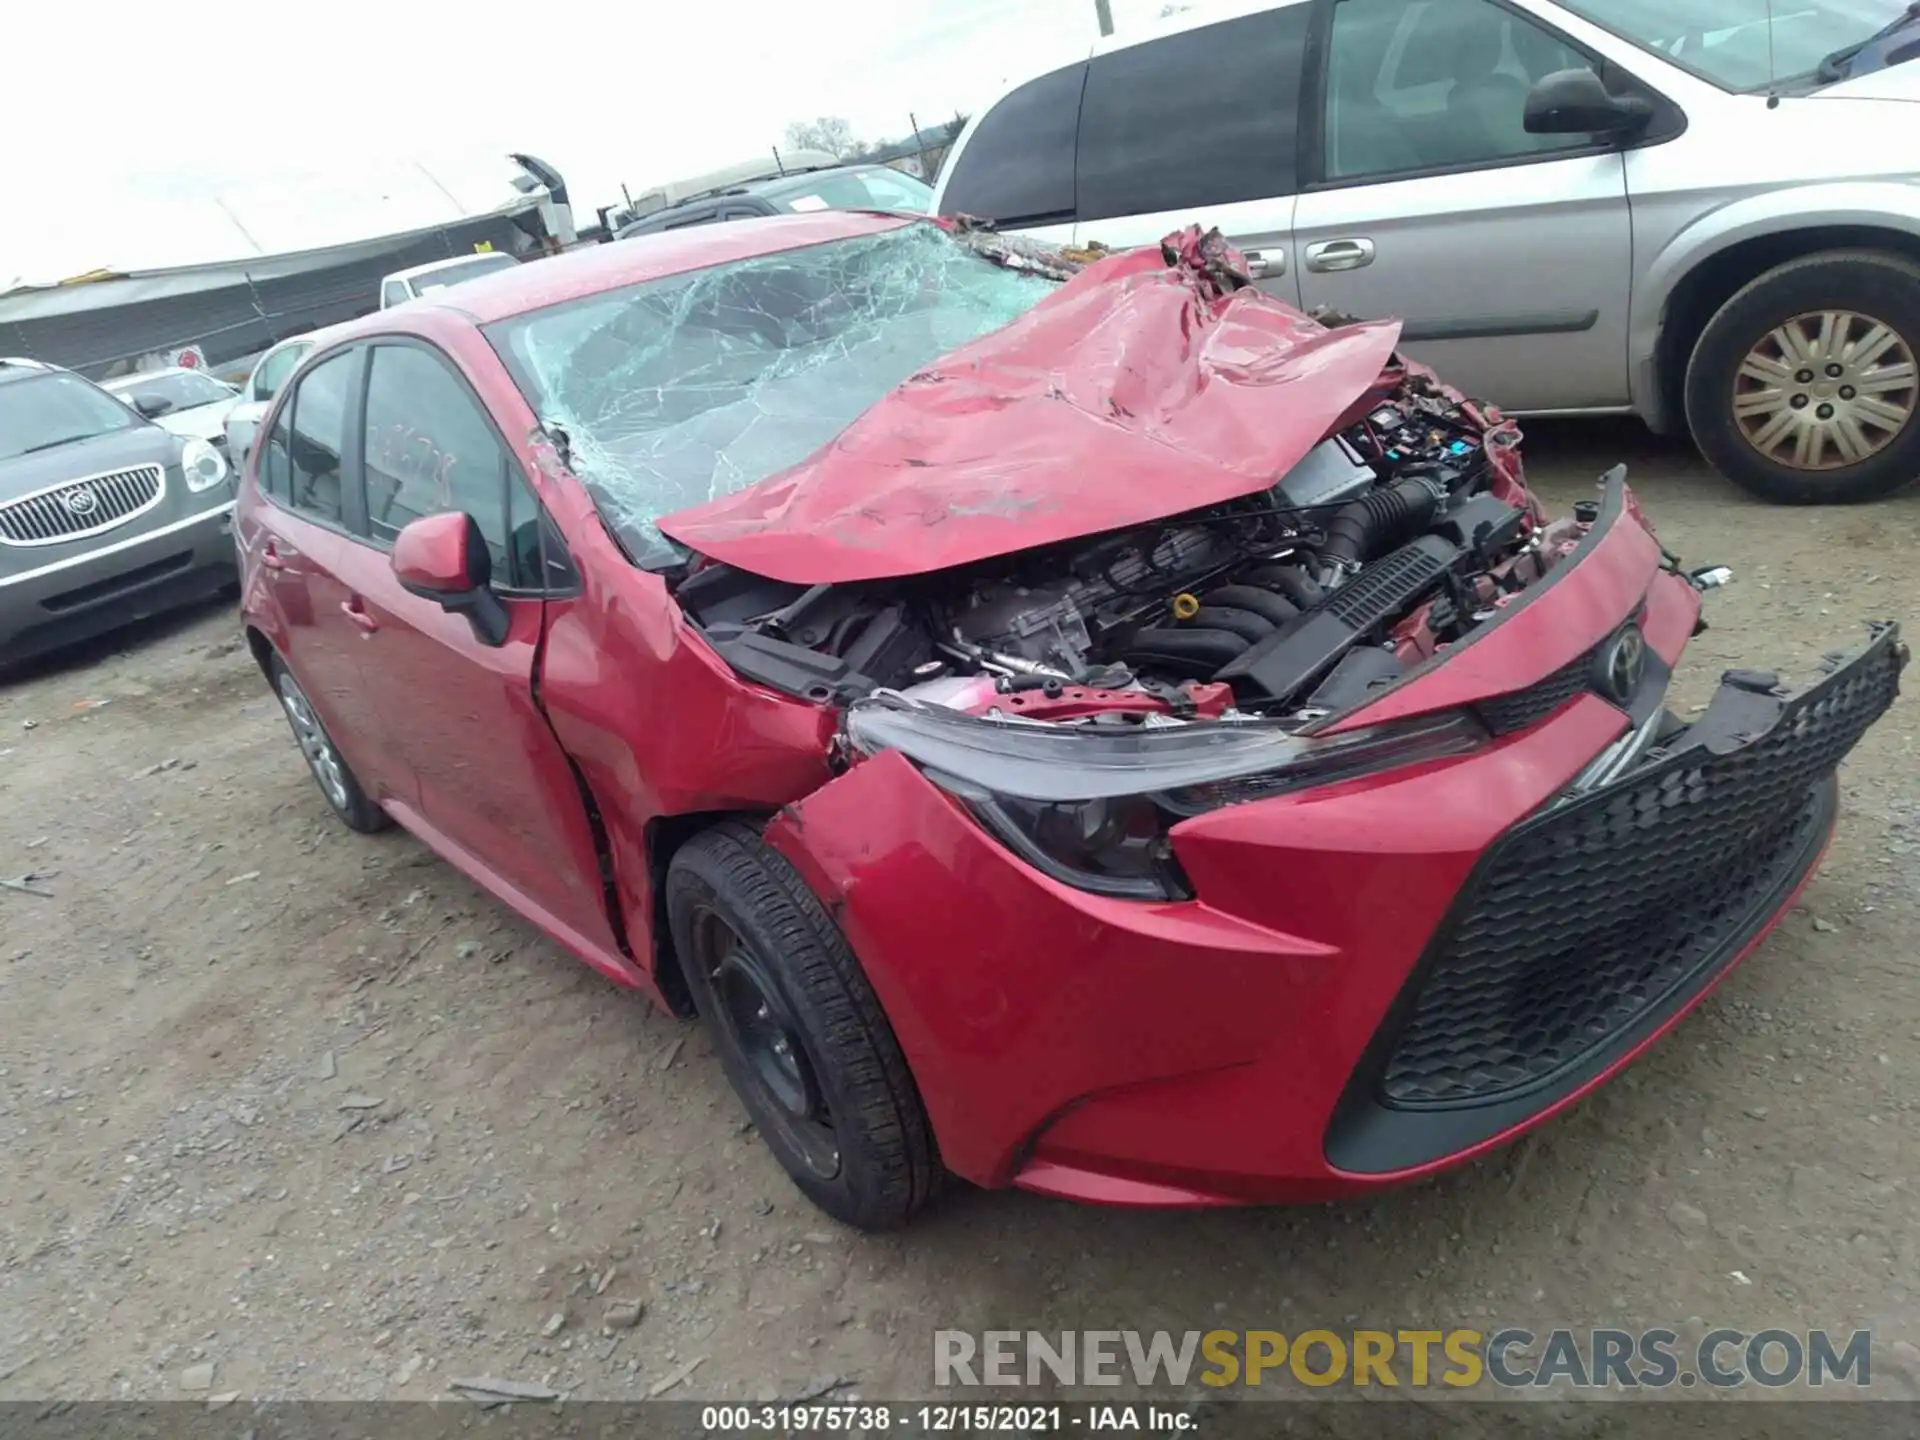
(1092, 805)
(203, 465)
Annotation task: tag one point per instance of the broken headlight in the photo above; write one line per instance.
(1093, 805)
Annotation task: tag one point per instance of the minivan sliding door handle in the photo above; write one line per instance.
(1265, 264)
(1325, 255)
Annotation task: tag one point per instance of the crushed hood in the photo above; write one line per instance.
(1143, 387)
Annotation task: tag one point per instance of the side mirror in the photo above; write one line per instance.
(1574, 102)
(152, 405)
(444, 558)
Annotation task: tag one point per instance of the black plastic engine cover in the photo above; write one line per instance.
(1299, 653)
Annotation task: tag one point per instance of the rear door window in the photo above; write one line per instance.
(1201, 118)
(317, 437)
(1017, 166)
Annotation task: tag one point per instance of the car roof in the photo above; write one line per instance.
(596, 269)
(452, 262)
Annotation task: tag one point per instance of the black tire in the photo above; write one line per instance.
(847, 1125)
(1868, 284)
(331, 775)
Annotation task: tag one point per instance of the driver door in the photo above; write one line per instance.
(496, 793)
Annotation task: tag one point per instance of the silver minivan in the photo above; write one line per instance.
(1681, 209)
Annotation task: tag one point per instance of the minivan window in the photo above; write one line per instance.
(1435, 85)
(1017, 166)
(1202, 117)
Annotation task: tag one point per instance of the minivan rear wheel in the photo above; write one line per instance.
(799, 1030)
(1803, 388)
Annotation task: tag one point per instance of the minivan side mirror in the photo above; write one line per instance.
(444, 558)
(150, 405)
(1575, 102)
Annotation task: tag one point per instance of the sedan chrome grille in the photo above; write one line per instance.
(75, 509)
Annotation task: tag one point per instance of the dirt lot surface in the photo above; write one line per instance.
(311, 1110)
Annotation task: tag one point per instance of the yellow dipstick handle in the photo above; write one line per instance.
(1185, 607)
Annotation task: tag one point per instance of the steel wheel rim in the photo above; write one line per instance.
(1826, 390)
(313, 742)
(749, 1006)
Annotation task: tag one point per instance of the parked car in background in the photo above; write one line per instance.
(1706, 215)
(184, 402)
(410, 284)
(847, 187)
(104, 516)
(1090, 728)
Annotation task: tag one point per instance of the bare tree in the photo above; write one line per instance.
(830, 133)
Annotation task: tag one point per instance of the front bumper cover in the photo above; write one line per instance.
(1230, 1049)
(1589, 927)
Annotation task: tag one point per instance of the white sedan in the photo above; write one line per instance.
(186, 402)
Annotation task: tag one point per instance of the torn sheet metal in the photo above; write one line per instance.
(1138, 390)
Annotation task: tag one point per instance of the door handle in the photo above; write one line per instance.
(356, 612)
(271, 559)
(1326, 255)
(1265, 264)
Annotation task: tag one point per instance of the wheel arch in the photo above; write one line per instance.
(261, 648)
(665, 835)
(1700, 269)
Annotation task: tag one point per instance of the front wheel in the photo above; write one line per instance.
(1803, 388)
(799, 1030)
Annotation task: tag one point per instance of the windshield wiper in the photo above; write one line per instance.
(1840, 63)
(51, 444)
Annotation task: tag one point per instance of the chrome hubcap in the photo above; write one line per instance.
(1826, 390)
(313, 742)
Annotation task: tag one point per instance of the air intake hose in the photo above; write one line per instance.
(1373, 525)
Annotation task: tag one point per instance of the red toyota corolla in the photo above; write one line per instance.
(1070, 722)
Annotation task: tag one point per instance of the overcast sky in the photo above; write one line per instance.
(150, 109)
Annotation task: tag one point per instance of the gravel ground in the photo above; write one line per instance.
(291, 1112)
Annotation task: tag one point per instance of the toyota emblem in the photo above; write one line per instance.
(80, 501)
(1620, 664)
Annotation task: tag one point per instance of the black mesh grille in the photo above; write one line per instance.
(1581, 919)
(1504, 714)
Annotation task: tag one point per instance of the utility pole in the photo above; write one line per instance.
(1104, 9)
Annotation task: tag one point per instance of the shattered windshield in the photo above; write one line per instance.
(679, 390)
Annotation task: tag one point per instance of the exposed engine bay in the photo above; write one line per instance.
(1389, 542)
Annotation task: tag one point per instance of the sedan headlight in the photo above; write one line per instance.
(203, 465)
(1092, 805)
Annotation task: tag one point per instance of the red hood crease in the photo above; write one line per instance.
(1136, 391)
